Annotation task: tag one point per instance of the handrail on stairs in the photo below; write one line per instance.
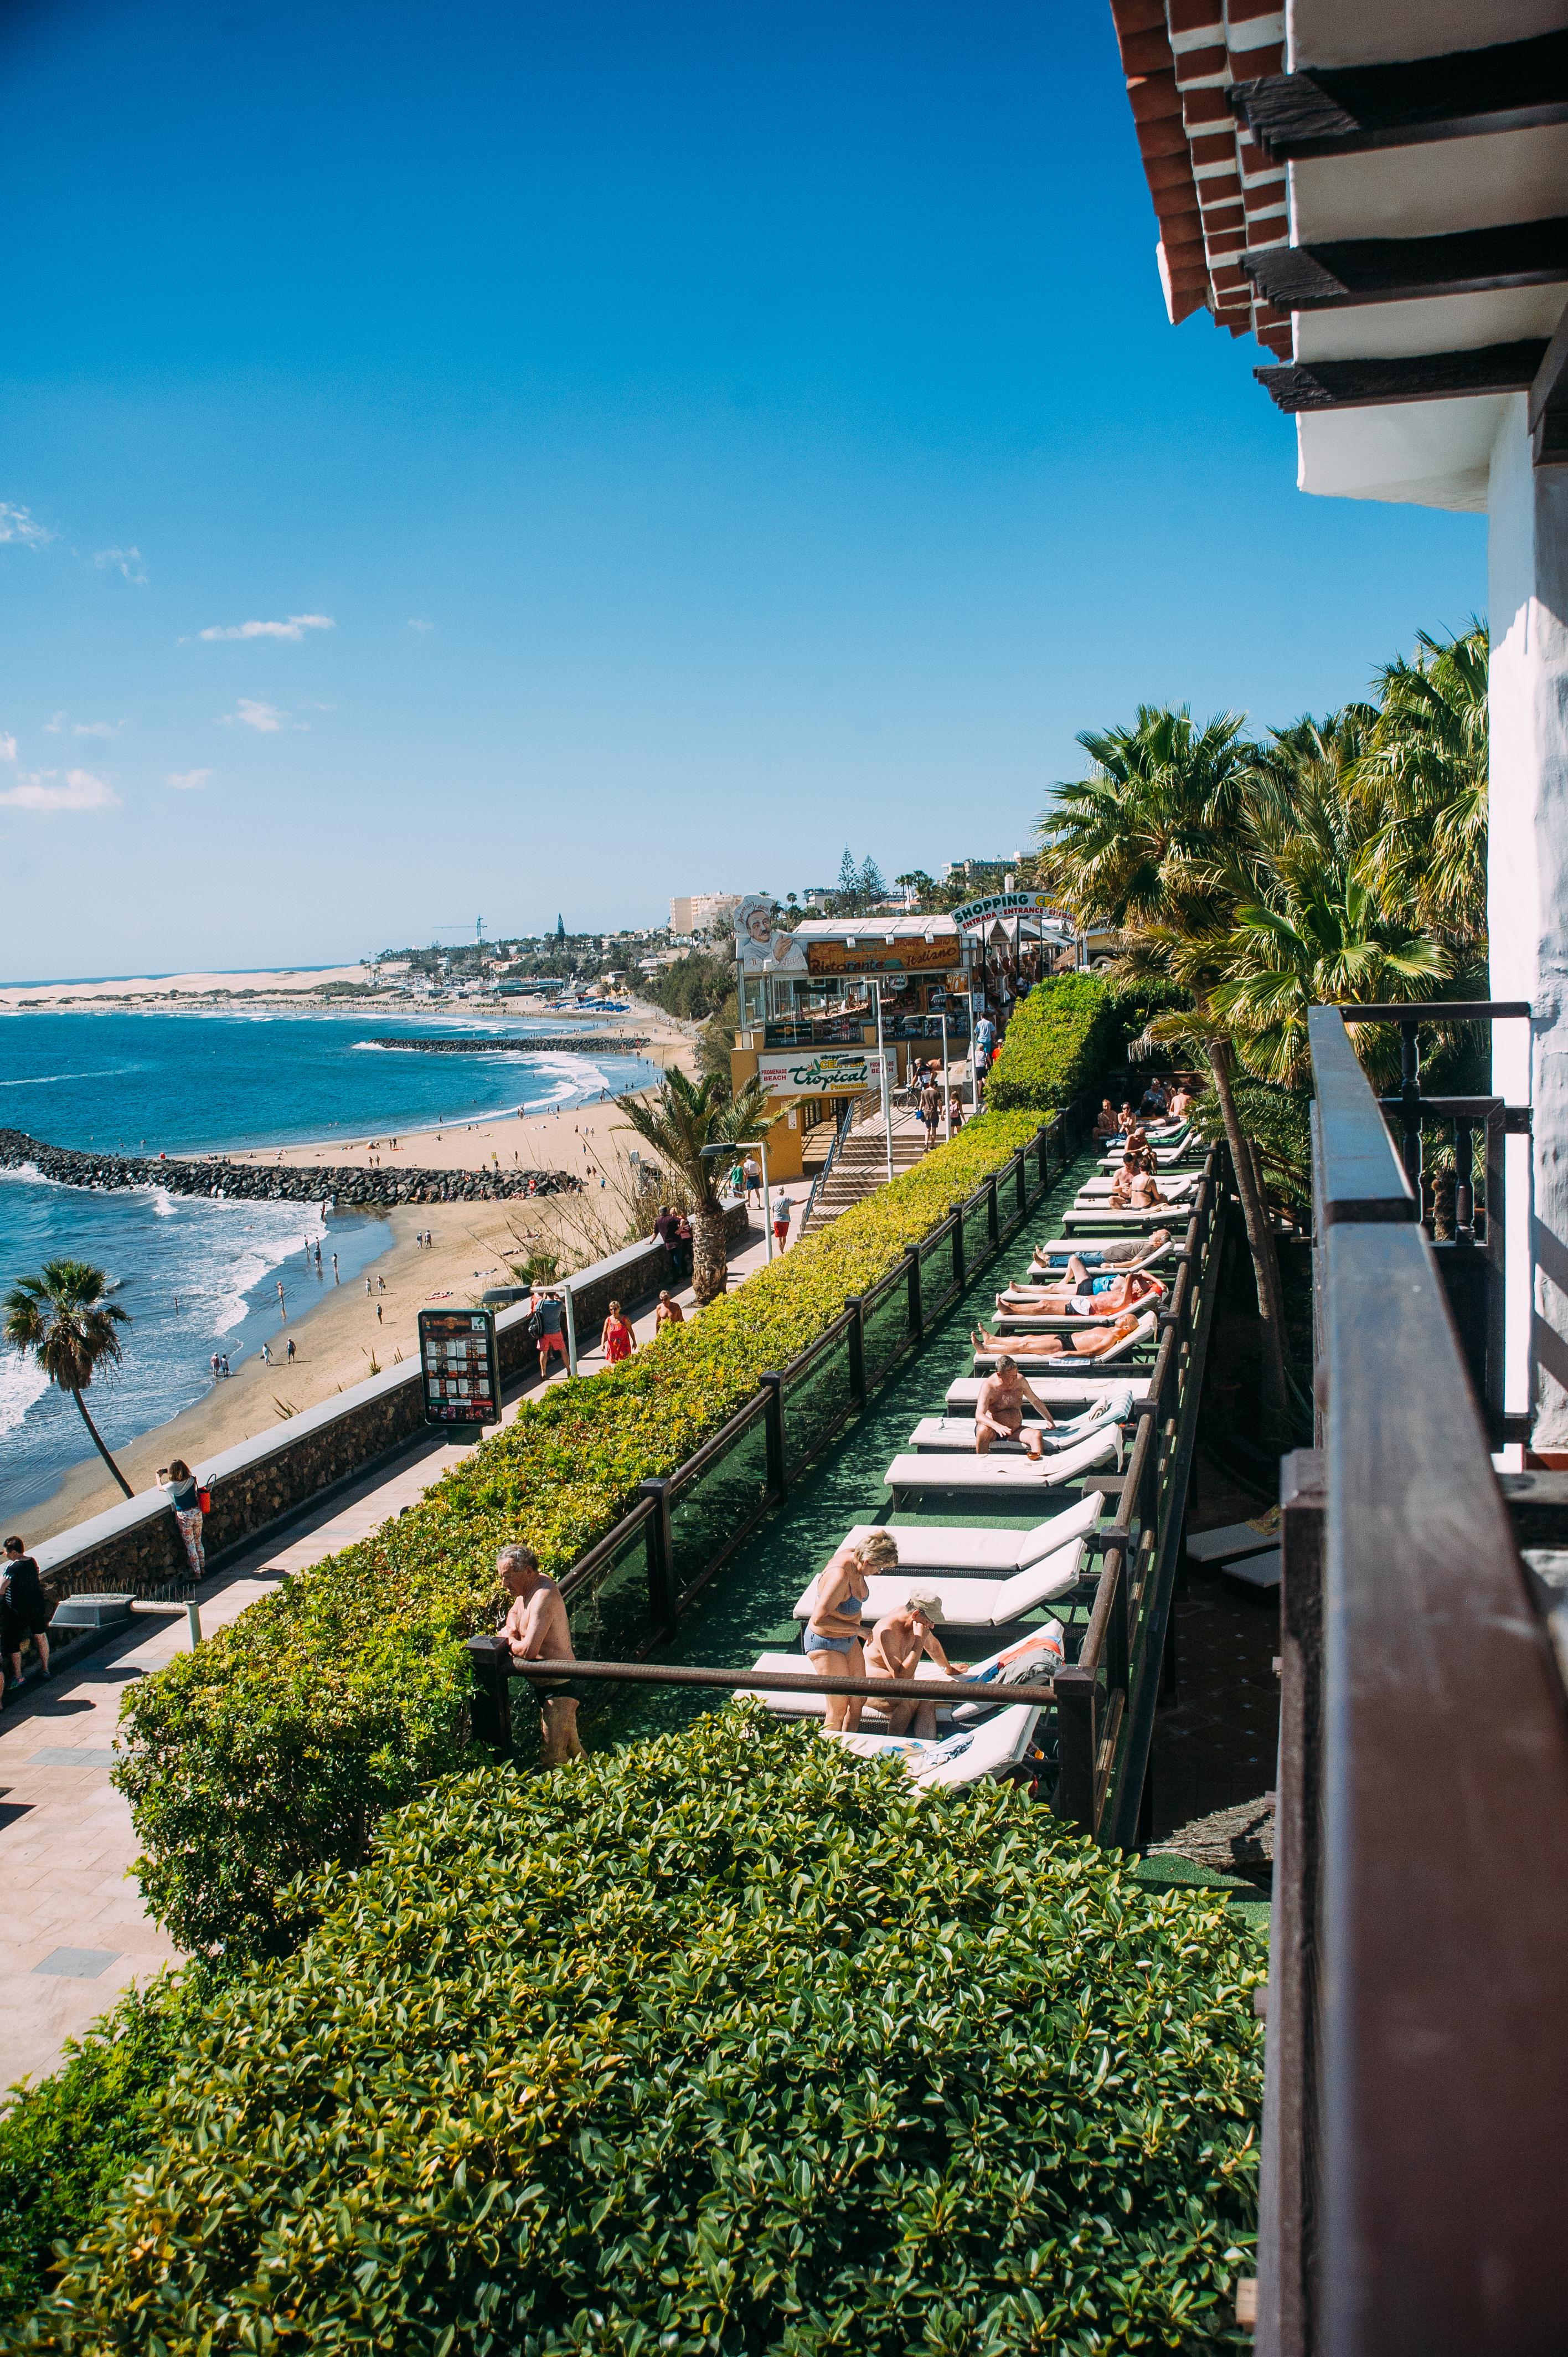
(845, 1120)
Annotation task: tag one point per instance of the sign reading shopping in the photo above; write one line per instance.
(1003, 905)
(458, 1366)
(819, 1071)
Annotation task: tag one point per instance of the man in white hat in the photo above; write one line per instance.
(897, 1645)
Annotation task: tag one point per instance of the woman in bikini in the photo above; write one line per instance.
(1086, 1293)
(836, 1631)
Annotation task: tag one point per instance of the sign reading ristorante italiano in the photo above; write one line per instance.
(1002, 904)
(872, 952)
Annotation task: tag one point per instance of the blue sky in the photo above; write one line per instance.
(672, 443)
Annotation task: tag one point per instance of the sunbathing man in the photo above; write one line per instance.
(1093, 1343)
(1107, 1125)
(999, 1411)
(897, 1645)
(1083, 1294)
(1117, 1252)
(537, 1630)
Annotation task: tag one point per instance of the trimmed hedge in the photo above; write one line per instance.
(66, 2143)
(722, 2043)
(272, 1748)
(1056, 1046)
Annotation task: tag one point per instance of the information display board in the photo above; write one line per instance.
(458, 1366)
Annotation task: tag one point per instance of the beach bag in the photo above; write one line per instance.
(204, 1500)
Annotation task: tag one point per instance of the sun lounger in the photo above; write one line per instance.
(1098, 1191)
(969, 1602)
(962, 1758)
(1166, 1156)
(998, 1552)
(1037, 1655)
(1004, 1476)
(1057, 1391)
(1104, 1220)
(1256, 1570)
(1233, 1540)
(1052, 1268)
(1062, 1321)
(1144, 1331)
(958, 1432)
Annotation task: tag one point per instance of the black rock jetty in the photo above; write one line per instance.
(257, 1182)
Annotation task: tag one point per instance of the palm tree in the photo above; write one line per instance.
(1423, 786)
(1156, 843)
(679, 1122)
(63, 1320)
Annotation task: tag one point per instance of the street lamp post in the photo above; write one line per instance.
(882, 1068)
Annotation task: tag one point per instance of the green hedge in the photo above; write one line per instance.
(1056, 1047)
(724, 2042)
(66, 2143)
(272, 1748)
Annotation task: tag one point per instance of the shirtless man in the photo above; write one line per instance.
(999, 1411)
(537, 1630)
(1133, 1190)
(1083, 1293)
(897, 1645)
(1093, 1343)
(1120, 1252)
(1107, 1125)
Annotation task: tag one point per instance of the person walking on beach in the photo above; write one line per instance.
(618, 1341)
(266, 1355)
(379, 1312)
(216, 1365)
(283, 1300)
(288, 1353)
(368, 1288)
(185, 1498)
(336, 1278)
(25, 1611)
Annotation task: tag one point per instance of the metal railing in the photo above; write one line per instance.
(841, 1131)
(1106, 1700)
(1412, 2202)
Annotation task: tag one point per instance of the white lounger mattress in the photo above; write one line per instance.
(962, 1758)
(1037, 1655)
(969, 1603)
(1015, 1476)
(1144, 1331)
(998, 1552)
(1097, 1190)
(1057, 1391)
(945, 1434)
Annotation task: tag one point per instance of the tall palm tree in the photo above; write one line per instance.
(679, 1121)
(1156, 843)
(1422, 785)
(62, 1318)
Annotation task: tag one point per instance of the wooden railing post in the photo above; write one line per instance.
(1021, 1183)
(1286, 2257)
(992, 1213)
(772, 1383)
(489, 1712)
(917, 1315)
(958, 1268)
(662, 1600)
(1043, 1149)
(856, 1339)
(1076, 1744)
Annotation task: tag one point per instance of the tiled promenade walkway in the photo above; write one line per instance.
(72, 1928)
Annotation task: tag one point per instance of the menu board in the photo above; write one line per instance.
(458, 1366)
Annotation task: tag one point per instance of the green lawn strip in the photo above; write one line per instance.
(722, 2043)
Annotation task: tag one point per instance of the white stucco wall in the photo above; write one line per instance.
(1528, 898)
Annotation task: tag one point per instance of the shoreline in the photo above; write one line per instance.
(474, 1244)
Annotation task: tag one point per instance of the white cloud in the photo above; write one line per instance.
(42, 791)
(128, 561)
(21, 525)
(7, 749)
(265, 718)
(186, 780)
(62, 722)
(421, 625)
(295, 628)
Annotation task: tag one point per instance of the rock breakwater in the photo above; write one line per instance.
(254, 1182)
(531, 1043)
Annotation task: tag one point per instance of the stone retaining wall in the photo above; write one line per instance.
(135, 1548)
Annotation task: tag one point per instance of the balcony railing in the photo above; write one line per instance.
(1414, 2201)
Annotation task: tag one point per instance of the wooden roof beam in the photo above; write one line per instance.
(1338, 111)
(1323, 277)
(1412, 376)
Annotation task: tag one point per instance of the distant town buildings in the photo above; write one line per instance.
(702, 912)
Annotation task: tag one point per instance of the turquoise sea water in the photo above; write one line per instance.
(183, 1083)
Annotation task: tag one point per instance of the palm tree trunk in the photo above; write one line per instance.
(98, 1444)
(1260, 1244)
(710, 1254)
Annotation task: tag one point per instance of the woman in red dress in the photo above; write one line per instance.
(618, 1342)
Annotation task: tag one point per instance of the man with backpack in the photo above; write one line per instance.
(547, 1331)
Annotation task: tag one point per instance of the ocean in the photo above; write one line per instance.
(197, 1276)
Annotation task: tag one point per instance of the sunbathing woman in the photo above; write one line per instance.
(1093, 1343)
(1084, 1294)
(1133, 1190)
(1117, 1251)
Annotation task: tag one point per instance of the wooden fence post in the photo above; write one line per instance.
(772, 1383)
(1076, 1742)
(917, 1315)
(489, 1658)
(660, 1556)
(857, 1339)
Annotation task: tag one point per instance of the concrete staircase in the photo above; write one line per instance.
(860, 1166)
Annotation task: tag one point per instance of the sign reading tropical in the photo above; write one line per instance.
(1002, 904)
(872, 954)
(818, 1071)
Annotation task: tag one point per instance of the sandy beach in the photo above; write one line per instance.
(337, 1331)
(286, 983)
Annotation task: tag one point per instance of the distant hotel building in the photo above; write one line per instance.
(700, 912)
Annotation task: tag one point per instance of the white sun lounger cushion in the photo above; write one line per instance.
(1057, 1391)
(1015, 1474)
(1098, 1191)
(962, 1758)
(969, 1603)
(958, 1432)
(994, 1551)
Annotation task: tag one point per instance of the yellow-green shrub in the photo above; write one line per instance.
(272, 1748)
